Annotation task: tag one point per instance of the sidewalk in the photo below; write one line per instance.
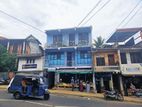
(131, 99)
(84, 94)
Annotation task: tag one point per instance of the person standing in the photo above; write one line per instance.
(81, 86)
(87, 87)
(72, 83)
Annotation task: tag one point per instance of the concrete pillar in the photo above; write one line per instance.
(102, 82)
(94, 82)
(57, 78)
(65, 58)
(121, 84)
(111, 83)
(128, 58)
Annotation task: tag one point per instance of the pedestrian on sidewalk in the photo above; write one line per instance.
(87, 86)
(72, 83)
(81, 86)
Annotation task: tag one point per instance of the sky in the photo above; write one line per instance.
(59, 14)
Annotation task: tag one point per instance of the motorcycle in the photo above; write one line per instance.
(115, 95)
(136, 92)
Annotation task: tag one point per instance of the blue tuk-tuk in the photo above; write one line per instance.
(28, 85)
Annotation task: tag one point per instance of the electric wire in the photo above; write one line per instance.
(89, 12)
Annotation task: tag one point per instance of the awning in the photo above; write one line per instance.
(75, 71)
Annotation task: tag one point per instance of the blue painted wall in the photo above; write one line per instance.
(83, 32)
(65, 55)
(60, 58)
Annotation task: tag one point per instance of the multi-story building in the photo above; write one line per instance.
(128, 43)
(106, 68)
(68, 54)
(131, 67)
(32, 58)
(28, 51)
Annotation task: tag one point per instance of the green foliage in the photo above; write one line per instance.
(98, 43)
(7, 61)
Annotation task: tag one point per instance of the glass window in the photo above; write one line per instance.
(57, 40)
(123, 58)
(136, 57)
(111, 59)
(84, 55)
(83, 38)
(100, 61)
(71, 39)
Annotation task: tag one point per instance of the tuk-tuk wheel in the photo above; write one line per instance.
(46, 96)
(17, 95)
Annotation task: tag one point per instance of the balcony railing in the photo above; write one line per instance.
(107, 68)
(83, 42)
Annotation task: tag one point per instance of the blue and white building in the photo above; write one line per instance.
(68, 54)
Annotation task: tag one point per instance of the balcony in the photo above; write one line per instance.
(83, 42)
(114, 68)
(131, 69)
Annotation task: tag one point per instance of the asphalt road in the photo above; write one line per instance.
(6, 100)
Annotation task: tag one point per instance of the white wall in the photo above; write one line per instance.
(38, 61)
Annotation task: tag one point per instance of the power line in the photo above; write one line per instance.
(90, 12)
(129, 14)
(22, 21)
(97, 12)
(124, 19)
(133, 16)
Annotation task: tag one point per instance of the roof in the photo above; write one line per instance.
(69, 30)
(32, 38)
(120, 35)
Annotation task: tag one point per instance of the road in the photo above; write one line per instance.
(6, 100)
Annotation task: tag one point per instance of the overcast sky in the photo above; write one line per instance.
(57, 14)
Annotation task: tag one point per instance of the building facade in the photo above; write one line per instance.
(106, 68)
(128, 43)
(28, 51)
(32, 59)
(68, 54)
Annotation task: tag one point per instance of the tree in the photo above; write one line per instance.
(7, 61)
(98, 43)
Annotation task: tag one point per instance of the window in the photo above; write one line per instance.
(83, 38)
(84, 55)
(55, 58)
(136, 57)
(111, 60)
(57, 40)
(100, 61)
(30, 61)
(71, 39)
(55, 55)
(123, 58)
(84, 58)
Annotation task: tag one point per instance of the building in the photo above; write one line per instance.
(126, 37)
(68, 54)
(106, 68)
(32, 58)
(128, 42)
(131, 67)
(28, 51)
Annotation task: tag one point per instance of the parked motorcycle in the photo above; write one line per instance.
(137, 92)
(115, 95)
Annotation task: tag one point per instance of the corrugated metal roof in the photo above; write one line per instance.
(123, 34)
